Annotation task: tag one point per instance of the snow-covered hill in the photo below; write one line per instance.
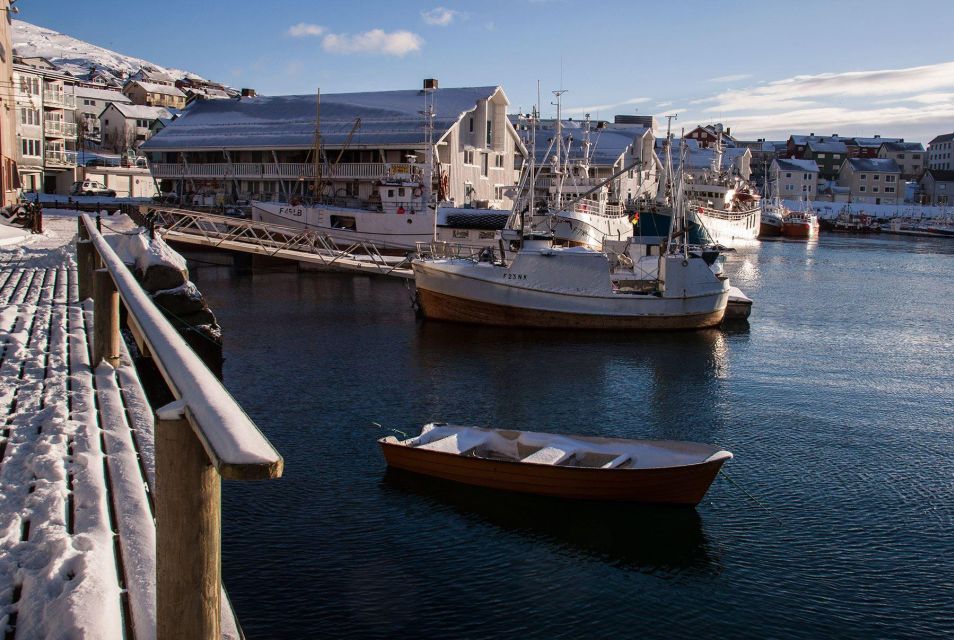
(78, 57)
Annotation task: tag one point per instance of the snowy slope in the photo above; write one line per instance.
(78, 57)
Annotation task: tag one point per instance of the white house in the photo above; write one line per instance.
(90, 102)
(126, 126)
(792, 178)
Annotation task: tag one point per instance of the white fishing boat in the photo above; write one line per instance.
(578, 211)
(542, 285)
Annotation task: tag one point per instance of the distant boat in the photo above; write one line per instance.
(565, 466)
(800, 224)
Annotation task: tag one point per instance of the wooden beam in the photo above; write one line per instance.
(188, 532)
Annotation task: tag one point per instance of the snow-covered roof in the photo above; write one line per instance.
(140, 112)
(941, 176)
(101, 94)
(902, 146)
(785, 164)
(944, 137)
(269, 122)
(827, 147)
(803, 140)
(608, 143)
(878, 165)
(877, 141)
(164, 89)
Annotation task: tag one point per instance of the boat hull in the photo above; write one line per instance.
(440, 306)
(580, 228)
(799, 230)
(683, 485)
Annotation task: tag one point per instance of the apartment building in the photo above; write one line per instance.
(46, 128)
(872, 180)
(909, 156)
(939, 152)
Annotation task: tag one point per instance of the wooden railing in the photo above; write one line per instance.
(201, 437)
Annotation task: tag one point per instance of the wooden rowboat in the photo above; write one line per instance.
(578, 467)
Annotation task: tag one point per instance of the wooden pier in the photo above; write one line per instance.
(109, 508)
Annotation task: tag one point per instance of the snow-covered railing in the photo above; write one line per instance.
(201, 437)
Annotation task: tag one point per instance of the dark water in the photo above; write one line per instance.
(837, 403)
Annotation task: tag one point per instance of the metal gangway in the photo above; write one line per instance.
(272, 240)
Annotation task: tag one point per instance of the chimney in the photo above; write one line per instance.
(728, 131)
(248, 93)
(430, 84)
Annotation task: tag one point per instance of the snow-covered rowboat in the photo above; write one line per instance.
(580, 467)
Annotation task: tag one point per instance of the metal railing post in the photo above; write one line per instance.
(188, 532)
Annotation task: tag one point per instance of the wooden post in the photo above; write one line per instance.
(106, 335)
(84, 267)
(188, 532)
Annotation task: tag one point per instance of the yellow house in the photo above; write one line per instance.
(151, 94)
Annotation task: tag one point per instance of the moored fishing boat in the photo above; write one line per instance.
(800, 224)
(565, 466)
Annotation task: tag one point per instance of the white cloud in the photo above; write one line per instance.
(836, 119)
(604, 107)
(923, 98)
(663, 105)
(439, 16)
(806, 90)
(376, 41)
(303, 29)
(731, 78)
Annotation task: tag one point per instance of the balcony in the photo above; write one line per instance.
(265, 171)
(59, 99)
(60, 158)
(59, 129)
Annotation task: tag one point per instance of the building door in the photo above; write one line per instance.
(877, 200)
(49, 184)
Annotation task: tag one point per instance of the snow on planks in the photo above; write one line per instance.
(77, 535)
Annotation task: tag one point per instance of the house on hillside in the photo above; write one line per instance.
(151, 75)
(126, 126)
(706, 135)
(936, 187)
(872, 180)
(939, 152)
(154, 95)
(908, 155)
(867, 147)
(90, 103)
(828, 155)
(264, 147)
(793, 178)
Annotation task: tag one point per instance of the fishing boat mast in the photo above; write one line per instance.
(430, 90)
(316, 187)
(559, 147)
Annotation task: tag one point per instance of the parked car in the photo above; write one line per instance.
(91, 188)
(98, 162)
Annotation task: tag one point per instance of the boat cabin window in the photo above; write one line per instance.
(390, 193)
(461, 233)
(343, 222)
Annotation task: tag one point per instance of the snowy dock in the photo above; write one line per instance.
(80, 550)
(275, 241)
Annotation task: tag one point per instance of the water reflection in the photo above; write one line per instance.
(649, 539)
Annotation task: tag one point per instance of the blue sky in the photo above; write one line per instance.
(764, 68)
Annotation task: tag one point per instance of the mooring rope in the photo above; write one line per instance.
(752, 497)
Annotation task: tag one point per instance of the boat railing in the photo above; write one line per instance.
(443, 250)
(732, 216)
(592, 207)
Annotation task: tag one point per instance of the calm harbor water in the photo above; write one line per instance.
(838, 402)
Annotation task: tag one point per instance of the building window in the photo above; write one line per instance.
(490, 134)
(890, 178)
(901, 156)
(889, 189)
(499, 192)
(821, 155)
(471, 124)
(30, 147)
(874, 189)
(469, 156)
(915, 156)
(29, 116)
(862, 188)
(499, 161)
(484, 164)
(862, 177)
(788, 175)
